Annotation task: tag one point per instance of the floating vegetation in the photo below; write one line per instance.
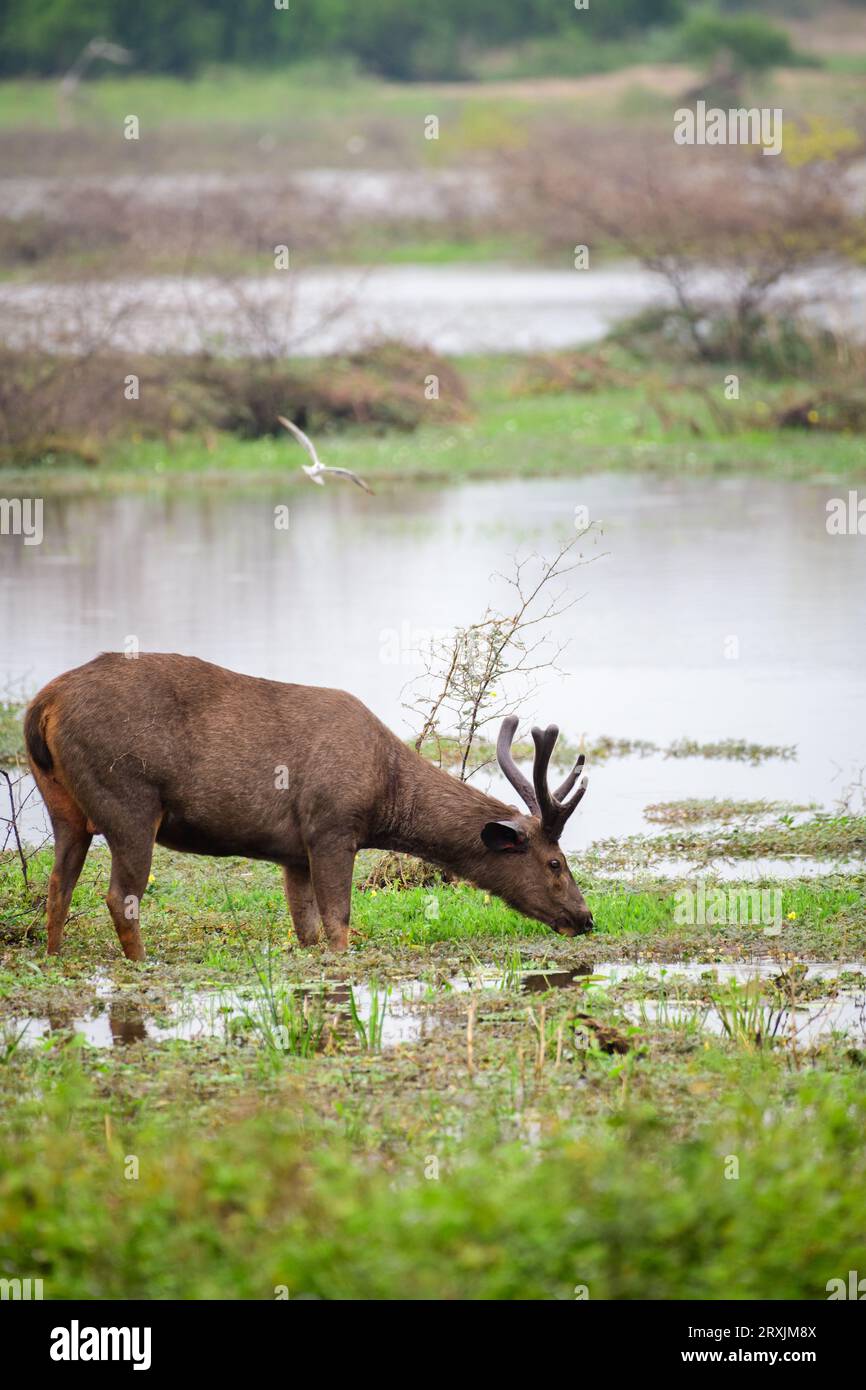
(821, 837)
(448, 752)
(734, 749)
(696, 811)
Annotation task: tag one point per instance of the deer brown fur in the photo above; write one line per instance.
(171, 750)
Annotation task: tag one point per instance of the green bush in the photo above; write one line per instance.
(754, 43)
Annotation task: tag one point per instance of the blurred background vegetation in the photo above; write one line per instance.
(306, 127)
(400, 39)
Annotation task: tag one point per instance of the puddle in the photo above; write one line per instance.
(763, 967)
(396, 1015)
(539, 981)
(385, 1016)
(809, 1022)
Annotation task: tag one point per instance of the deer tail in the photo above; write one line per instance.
(40, 753)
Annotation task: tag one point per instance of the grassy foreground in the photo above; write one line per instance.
(529, 1142)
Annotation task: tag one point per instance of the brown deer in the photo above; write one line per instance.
(171, 750)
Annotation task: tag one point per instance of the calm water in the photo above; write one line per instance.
(675, 570)
(451, 309)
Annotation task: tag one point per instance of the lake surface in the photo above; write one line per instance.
(675, 570)
(451, 309)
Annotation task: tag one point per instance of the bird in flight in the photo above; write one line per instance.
(316, 469)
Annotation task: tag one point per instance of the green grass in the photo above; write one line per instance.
(334, 94)
(287, 100)
(228, 96)
(201, 917)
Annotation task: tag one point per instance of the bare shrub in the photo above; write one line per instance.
(74, 405)
(555, 372)
(472, 677)
(223, 225)
(726, 229)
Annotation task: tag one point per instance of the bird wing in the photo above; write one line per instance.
(301, 438)
(347, 473)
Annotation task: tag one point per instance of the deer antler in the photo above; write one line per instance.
(551, 806)
(506, 762)
(554, 810)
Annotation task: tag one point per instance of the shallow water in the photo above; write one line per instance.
(206, 1014)
(843, 1016)
(404, 1009)
(350, 592)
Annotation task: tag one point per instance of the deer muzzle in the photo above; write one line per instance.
(577, 923)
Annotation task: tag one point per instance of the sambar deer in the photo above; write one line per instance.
(171, 750)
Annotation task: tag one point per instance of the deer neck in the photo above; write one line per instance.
(439, 818)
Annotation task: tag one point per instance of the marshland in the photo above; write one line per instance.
(648, 448)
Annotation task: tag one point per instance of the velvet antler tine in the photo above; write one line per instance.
(510, 769)
(544, 740)
(569, 806)
(563, 790)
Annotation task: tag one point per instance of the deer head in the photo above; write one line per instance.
(539, 881)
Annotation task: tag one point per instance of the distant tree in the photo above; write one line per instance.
(615, 18)
(751, 41)
(398, 38)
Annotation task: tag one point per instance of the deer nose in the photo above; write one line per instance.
(578, 923)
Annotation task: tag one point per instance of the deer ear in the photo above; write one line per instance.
(506, 836)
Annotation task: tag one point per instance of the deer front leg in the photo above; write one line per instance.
(302, 903)
(331, 869)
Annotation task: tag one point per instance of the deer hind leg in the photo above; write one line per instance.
(302, 903)
(70, 851)
(130, 870)
(71, 843)
(331, 869)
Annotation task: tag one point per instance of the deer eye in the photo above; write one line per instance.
(554, 864)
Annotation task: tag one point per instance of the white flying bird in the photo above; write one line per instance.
(315, 470)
